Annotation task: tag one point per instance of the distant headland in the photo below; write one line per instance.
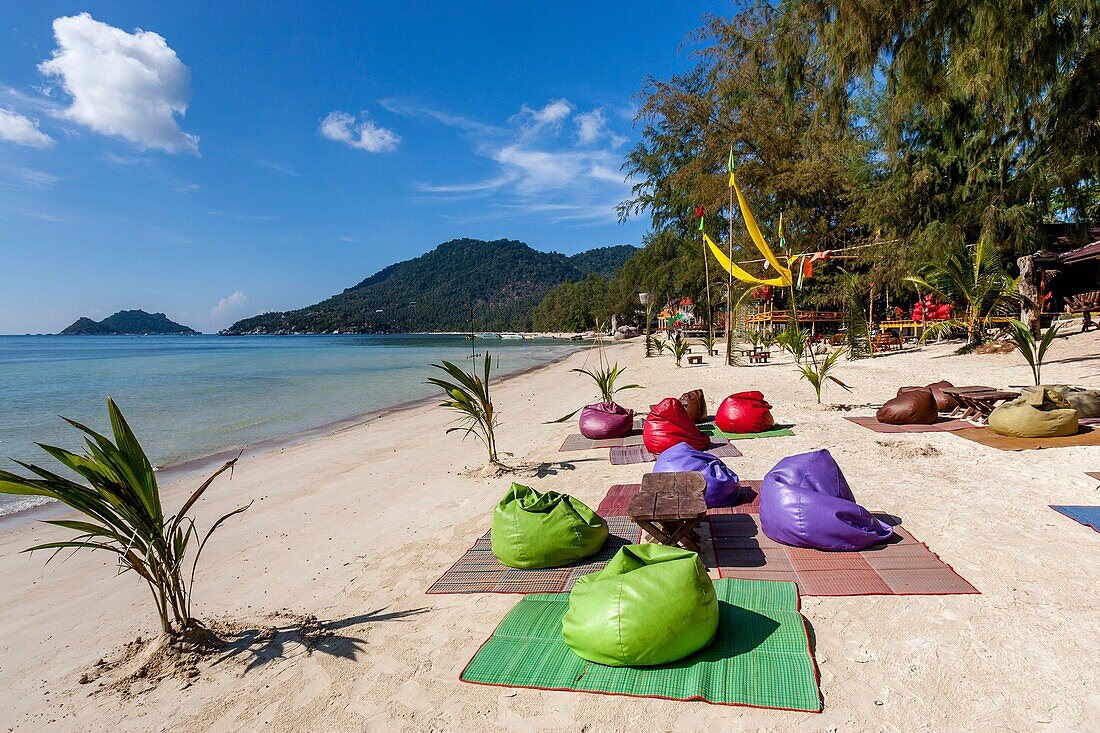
(132, 323)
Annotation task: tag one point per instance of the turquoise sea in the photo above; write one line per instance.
(191, 396)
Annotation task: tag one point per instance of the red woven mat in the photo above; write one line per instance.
(902, 566)
(944, 425)
(625, 455)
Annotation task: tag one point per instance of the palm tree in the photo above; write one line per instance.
(678, 347)
(467, 393)
(972, 280)
(123, 515)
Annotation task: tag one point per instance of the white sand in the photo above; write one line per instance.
(353, 530)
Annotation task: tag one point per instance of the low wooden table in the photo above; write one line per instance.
(695, 359)
(976, 403)
(670, 506)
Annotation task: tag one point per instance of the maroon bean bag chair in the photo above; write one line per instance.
(915, 406)
(944, 402)
(744, 412)
(695, 404)
(667, 424)
(604, 420)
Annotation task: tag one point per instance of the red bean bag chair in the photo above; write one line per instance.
(744, 412)
(667, 424)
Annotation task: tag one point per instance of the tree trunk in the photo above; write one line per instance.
(1031, 303)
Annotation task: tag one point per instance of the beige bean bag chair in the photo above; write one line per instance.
(1041, 414)
(1085, 401)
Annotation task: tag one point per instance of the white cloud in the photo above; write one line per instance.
(15, 128)
(229, 304)
(363, 135)
(592, 126)
(534, 120)
(128, 85)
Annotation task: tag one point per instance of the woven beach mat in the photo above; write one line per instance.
(1086, 515)
(901, 566)
(760, 657)
(626, 455)
(617, 500)
(479, 571)
(944, 425)
(1088, 435)
(778, 431)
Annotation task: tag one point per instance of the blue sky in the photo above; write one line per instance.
(231, 158)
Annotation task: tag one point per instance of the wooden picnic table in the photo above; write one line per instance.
(670, 506)
(975, 403)
(756, 355)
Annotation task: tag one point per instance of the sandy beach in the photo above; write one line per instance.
(352, 526)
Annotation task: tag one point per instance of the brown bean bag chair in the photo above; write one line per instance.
(695, 404)
(916, 406)
(944, 402)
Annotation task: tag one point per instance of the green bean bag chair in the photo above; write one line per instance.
(1041, 414)
(652, 604)
(1085, 401)
(533, 530)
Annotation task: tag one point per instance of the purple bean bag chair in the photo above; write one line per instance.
(723, 486)
(805, 502)
(605, 420)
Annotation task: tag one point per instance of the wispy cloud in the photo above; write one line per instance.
(15, 128)
(17, 176)
(361, 134)
(242, 217)
(128, 85)
(551, 161)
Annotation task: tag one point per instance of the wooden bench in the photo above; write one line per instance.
(670, 506)
(1085, 304)
(695, 359)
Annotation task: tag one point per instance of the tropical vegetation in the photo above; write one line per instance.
(467, 394)
(1033, 350)
(123, 514)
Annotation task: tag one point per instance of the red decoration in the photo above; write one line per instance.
(667, 424)
(744, 412)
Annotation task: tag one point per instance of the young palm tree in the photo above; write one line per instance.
(124, 515)
(817, 373)
(972, 280)
(678, 347)
(1025, 342)
(467, 393)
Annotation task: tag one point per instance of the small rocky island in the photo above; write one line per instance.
(131, 323)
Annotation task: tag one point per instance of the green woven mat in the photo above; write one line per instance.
(761, 656)
(713, 431)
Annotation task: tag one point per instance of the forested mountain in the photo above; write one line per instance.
(136, 322)
(462, 283)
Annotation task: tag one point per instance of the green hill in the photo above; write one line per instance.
(496, 284)
(136, 322)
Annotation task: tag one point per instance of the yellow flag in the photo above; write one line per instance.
(758, 238)
(737, 272)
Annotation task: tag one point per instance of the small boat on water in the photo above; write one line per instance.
(488, 335)
(512, 336)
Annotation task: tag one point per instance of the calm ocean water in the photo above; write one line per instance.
(190, 396)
